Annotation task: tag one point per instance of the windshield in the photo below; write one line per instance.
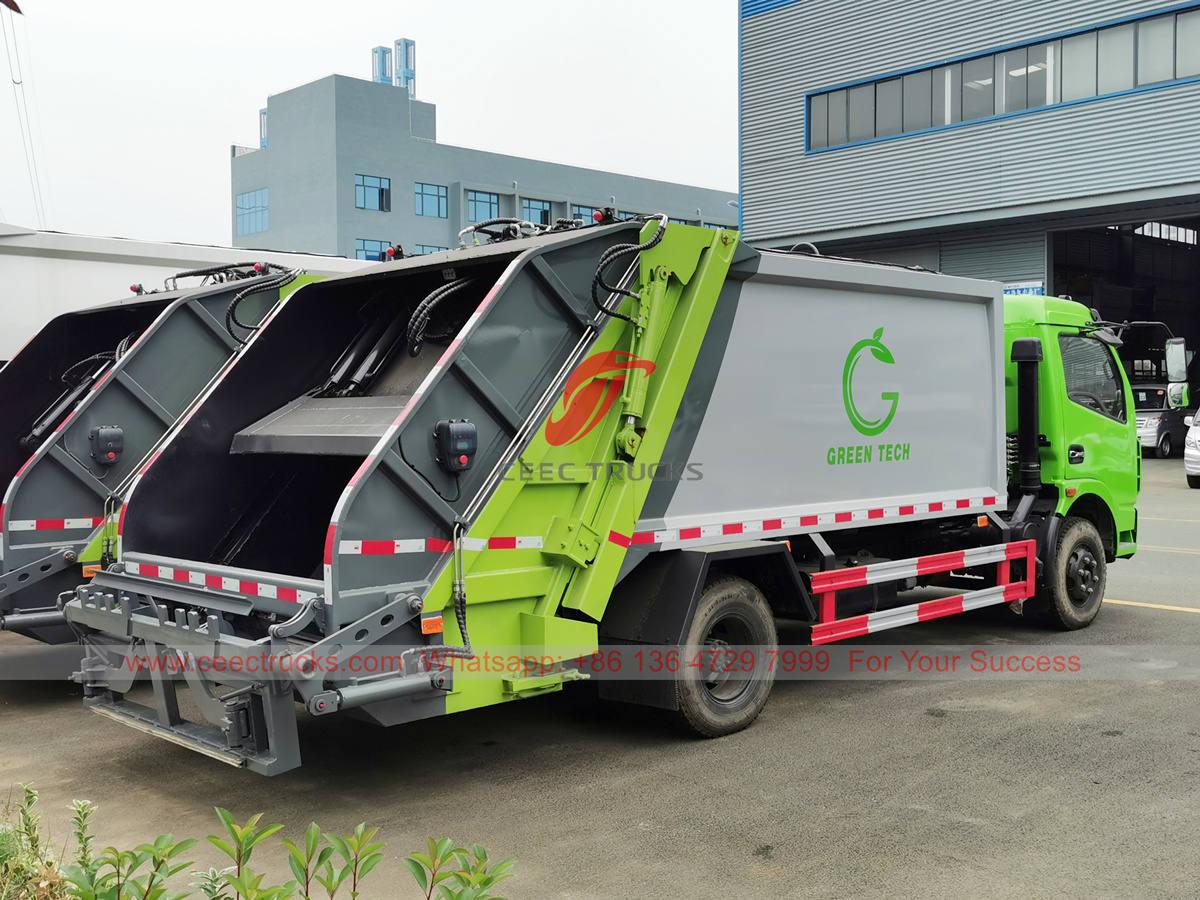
(1149, 398)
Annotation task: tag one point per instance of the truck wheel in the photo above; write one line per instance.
(1165, 447)
(720, 696)
(1074, 591)
(1193, 481)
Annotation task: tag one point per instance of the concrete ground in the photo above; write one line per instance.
(936, 788)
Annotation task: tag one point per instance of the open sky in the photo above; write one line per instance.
(134, 103)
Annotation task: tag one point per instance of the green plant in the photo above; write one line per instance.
(359, 852)
(455, 873)
(328, 861)
(138, 874)
(212, 884)
(26, 872)
(81, 828)
(242, 839)
(308, 861)
(30, 821)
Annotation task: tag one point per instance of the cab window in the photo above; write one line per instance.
(1091, 375)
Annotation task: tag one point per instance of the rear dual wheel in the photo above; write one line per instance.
(727, 672)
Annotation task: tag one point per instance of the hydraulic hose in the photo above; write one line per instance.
(482, 227)
(615, 252)
(231, 318)
(420, 317)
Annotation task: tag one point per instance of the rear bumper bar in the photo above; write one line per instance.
(246, 689)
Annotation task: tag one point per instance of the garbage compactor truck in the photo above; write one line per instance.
(85, 401)
(442, 460)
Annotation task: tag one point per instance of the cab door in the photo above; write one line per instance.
(1102, 454)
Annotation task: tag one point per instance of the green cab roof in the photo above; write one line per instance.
(1038, 310)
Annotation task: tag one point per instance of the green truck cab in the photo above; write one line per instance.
(1080, 469)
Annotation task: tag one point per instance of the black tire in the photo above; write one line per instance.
(1193, 481)
(1165, 448)
(1073, 593)
(733, 612)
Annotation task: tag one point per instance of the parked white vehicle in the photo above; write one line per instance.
(1191, 451)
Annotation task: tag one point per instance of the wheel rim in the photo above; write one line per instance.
(1083, 576)
(1164, 446)
(723, 680)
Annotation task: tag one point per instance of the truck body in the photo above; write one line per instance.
(497, 451)
(86, 401)
(48, 273)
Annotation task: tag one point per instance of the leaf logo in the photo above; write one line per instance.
(590, 393)
(863, 424)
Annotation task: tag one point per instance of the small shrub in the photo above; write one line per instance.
(336, 865)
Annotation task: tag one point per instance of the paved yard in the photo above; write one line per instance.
(938, 788)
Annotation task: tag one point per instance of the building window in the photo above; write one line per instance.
(482, 205)
(979, 97)
(583, 213)
(1156, 50)
(889, 108)
(423, 249)
(373, 192)
(253, 211)
(365, 248)
(535, 211)
(1079, 66)
(672, 220)
(624, 215)
(1100, 62)
(716, 227)
(432, 200)
(1114, 71)
(1187, 44)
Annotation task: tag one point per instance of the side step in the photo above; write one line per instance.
(825, 586)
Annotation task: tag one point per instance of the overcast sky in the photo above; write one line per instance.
(134, 103)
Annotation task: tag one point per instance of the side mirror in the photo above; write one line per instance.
(1189, 421)
(1178, 396)
(1176, 360)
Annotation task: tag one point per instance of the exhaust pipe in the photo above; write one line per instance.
(1027, 353)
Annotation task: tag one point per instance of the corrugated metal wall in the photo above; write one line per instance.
(1000, 255)
(1085, 152)
(1009, 257)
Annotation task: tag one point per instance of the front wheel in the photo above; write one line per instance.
(730, 645)
(1073, 592)
(1166, 448)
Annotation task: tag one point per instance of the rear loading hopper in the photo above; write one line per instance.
(494, 450)
(85, 402)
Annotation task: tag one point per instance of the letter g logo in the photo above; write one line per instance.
(863, 424)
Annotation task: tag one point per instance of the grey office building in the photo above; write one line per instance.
(1051, 145)
(350, 166)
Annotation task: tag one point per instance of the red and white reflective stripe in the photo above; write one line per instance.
(217, 582)
(894, 570)
(797, 523)
(76, 524)
(858, 626)
(435, 545)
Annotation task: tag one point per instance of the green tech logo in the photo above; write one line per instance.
(868, 425)
(862, 424)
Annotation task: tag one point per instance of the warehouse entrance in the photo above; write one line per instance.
(1136, 271)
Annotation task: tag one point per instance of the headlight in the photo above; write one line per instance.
(1192, 440)
(1151, 421)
